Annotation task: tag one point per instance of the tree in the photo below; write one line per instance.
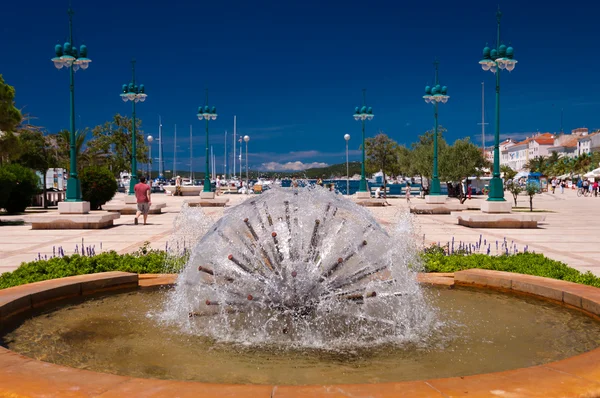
(515, 189)
(111, 144)
(462, 160)
(25, 186)
(10, 116)
(422, 153)
(508, 172)
(98, 186)
(531, 189)
(382, 154)
(37, 153)
(537, 164)
(63, 143)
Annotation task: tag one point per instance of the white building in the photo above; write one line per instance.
(588, 143)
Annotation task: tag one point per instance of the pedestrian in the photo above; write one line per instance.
(553, 183)
(562, 186)
(178, 186)
(595, 188)
(407, 193)
(142, 196)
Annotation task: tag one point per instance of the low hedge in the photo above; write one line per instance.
(156, 262)
(153, 262)
(522, 263)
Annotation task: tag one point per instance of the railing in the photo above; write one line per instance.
(52, 198)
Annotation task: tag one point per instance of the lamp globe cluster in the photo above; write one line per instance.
(207, 113)
(435, 94)
(363, 113)
(68, 56)
(501, 58)
(133, 92)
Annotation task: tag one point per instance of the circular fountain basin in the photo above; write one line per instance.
(569, 377)
(483, 331)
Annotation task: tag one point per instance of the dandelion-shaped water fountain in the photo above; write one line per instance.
(304, 267)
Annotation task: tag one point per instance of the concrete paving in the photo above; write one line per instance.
(570, 233)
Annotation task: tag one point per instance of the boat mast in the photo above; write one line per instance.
(161, 165)
(234, 132)
(175, 154)
(191, 158)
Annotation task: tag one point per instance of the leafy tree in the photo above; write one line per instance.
(10, 116)
(382, 154)
(405, 163)
(37, 153)
(111, 144)
(25, 186)
(8, 183)
(63, 145)
(461, 160)
(515, 189)
(531, 189)
(422, 153)
(98, 186)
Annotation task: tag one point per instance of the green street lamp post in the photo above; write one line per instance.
(434, 95)
(495, 60)
(363, 114)
(207, 113)
(134, 93)
(68, 56)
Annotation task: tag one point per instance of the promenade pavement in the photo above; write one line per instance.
(570, 233)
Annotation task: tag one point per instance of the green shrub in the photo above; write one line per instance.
(7, 182)
(522, 263)
(59, 267)
(25, 186)
(98, 186)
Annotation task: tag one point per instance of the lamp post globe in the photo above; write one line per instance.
(434, 95)
(69, 57)
(347, 138)
(246, 139)
(496, 60)
(363, 114)
(150, 139)
(207, 113)
(134, 93)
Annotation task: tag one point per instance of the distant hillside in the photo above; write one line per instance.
(335, 170)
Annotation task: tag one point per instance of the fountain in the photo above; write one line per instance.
(304, 267)
(300, 287)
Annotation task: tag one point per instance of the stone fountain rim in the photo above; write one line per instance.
(572, 376)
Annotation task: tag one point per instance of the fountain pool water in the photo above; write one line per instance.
(301, 267)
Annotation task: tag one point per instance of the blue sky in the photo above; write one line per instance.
(293, 71)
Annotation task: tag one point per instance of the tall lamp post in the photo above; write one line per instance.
(363, 114)
(207, 113)
(495, 60)
(150, 139)
(434, 95)
(246, 139)
(68, 56)
(134, 93)
(347, 138)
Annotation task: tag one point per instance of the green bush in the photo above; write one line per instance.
(59, 267)
(98, 186)
(7, 182)
(522, 263)
(24, 186)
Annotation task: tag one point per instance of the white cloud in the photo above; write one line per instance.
(291, 166)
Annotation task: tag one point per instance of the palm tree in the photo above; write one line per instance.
(536, 164)
(63, 139)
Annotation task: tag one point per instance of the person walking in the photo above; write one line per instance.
(407, 193)
(142, 196)
(553, 182)
(562, 186)
(595, 188)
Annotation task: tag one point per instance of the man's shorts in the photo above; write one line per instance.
(143, 207)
